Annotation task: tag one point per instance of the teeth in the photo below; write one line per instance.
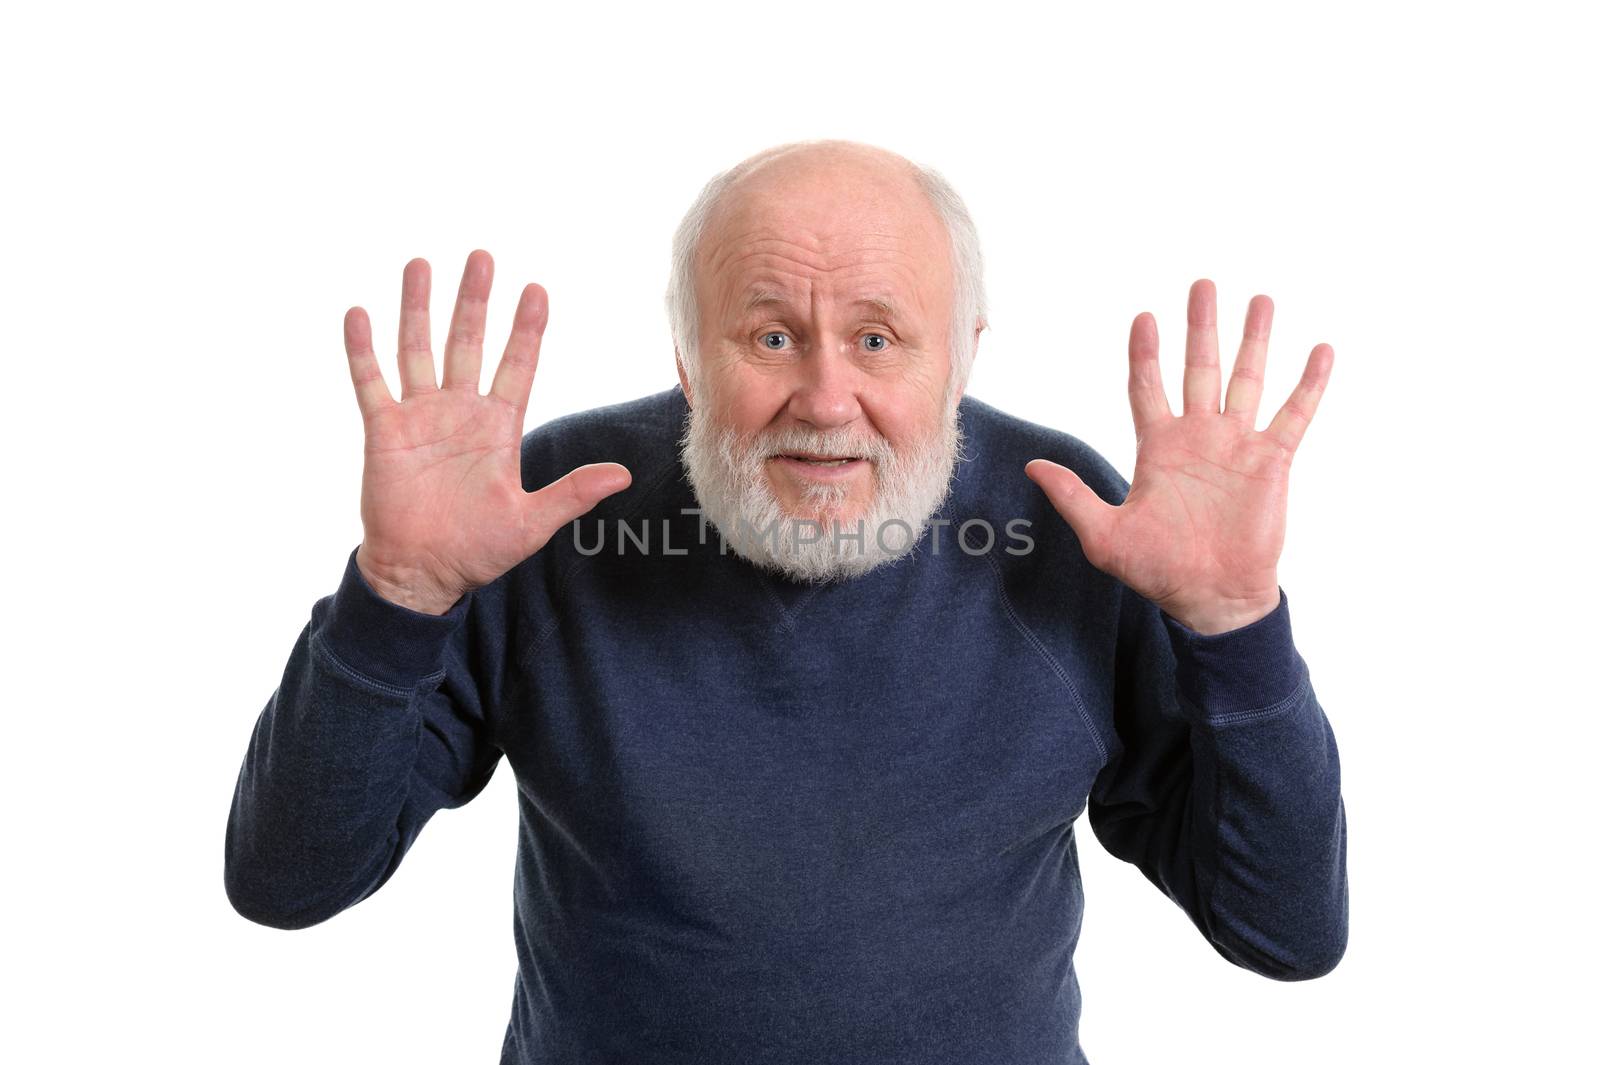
(825, 462)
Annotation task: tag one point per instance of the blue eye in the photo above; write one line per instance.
(767, 341)
(882, 341)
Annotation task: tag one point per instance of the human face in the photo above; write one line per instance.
(825, 293)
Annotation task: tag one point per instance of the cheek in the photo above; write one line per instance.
(747, 402)
(909, 416)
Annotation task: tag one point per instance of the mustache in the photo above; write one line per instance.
(792, 439)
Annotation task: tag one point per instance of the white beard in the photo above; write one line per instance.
(729, 477)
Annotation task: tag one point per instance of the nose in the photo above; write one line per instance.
(825, 392)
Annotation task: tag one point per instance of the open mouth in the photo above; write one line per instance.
(826, 461)
(821, 460)
(809, 463)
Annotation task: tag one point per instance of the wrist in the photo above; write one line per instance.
(1238, 674)
(411, 591)
(384, 642)
(1218, 614)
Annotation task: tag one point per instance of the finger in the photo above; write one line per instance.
(1289, 424)
(1146, 394)
(1249, 369)
(1090, 516)
(372, 394)
(1202, 378)
(513, 379)
(463, 348)
(547, 510)
(416, 345)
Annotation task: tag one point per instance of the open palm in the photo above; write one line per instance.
(442, 504)
(1202, 526)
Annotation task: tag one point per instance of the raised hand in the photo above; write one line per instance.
(1202, 526)
(442, 505)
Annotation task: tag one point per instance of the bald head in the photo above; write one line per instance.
(826, 149)
(817, 202)
(851, 173)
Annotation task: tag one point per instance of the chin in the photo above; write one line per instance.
(827, 511)
(826, 518)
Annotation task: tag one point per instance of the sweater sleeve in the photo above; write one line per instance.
(1223, 788)
(378, 723)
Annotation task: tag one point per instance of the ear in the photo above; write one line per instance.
(976, 333)
(683, 378)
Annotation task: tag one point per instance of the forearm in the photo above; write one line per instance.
(1267, 815)
(319, 813)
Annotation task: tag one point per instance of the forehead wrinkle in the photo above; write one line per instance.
(816, 256)
(775, 273)
(760, 265)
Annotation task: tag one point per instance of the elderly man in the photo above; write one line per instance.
(807, 668)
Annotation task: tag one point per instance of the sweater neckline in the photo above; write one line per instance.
(790, 597)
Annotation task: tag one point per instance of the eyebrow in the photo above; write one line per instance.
(761, 297)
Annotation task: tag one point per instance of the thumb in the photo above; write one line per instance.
(1089, 515)
(571, 497)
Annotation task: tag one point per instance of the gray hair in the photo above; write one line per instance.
(970, 311)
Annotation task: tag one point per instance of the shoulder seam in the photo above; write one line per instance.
(1044, 652)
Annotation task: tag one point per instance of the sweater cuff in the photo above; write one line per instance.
(382, 640)
(1247, 670)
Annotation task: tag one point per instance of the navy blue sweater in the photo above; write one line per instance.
(765, 821)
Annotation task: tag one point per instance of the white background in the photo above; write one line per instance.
(195, 194)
